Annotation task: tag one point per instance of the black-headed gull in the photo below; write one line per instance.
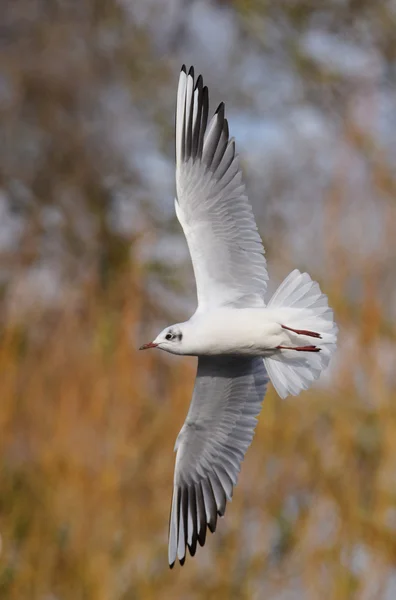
(237, 337)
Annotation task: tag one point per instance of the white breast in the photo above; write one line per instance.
(250, 331)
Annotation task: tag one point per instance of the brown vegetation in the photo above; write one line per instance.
(88, 424)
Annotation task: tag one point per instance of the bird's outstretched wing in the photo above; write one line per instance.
(212, 206)
(211, 445)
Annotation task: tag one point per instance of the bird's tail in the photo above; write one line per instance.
(303, 311)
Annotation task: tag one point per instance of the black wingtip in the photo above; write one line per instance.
(220, 109)
(171, 565)
(192, 548)
(212, 525)
(199, 82)
(182, 560)
(191, 72)
(183, 69)
(202, 537)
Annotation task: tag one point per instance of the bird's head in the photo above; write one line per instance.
(171, 339)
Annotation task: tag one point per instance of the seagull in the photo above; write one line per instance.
(240, 341)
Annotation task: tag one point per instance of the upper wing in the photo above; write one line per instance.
(212, 207)
(211, 445)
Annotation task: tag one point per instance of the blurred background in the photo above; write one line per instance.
(93, 263)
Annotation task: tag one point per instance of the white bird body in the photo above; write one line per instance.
(235, 331)
(240, 341)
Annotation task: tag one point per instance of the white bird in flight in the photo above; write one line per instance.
(239, 340)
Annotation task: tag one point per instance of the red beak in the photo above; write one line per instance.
(146, 346)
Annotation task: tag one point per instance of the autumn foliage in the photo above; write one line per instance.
(88, 424)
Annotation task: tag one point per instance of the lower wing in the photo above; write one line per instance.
(211, 445)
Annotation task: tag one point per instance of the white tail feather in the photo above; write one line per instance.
(299, 304)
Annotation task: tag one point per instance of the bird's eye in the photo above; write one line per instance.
(169, 336)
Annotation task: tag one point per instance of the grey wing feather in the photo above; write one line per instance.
(212, 206)
(211, 445)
